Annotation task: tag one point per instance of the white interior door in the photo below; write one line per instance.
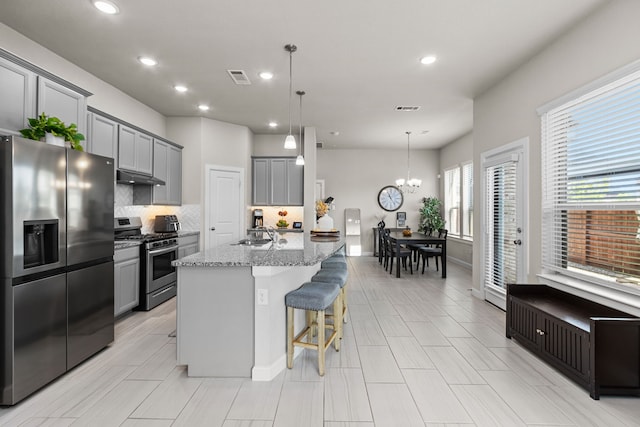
(224, 207)
(504, 220)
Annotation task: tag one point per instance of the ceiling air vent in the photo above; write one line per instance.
(239, 76)
(407, 108)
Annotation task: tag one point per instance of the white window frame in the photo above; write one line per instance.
(462, 232)
(622, 296)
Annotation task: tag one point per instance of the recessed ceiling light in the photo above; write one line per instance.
(150, 62)
(426, 60)
(335, 133)
(180, 88)
(105, 6)
(273, 124)
(203, 107)
(266, 75)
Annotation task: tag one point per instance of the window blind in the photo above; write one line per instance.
(452, 200)
(500, 251)
(591, 184)
(467, 200)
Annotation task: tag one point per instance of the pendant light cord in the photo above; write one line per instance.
(290, 85)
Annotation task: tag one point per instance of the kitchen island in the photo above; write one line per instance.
(231, 317)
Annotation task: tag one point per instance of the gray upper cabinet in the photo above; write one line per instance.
(56, 100)
(102, 136)
(17, 95)
(277, 182)
(261, 182)
(27, 90)
(135, 150)
(295, 181)
(167, 166)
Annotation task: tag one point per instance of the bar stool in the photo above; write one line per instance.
(334, 262)
(316, 297)
(336, 276)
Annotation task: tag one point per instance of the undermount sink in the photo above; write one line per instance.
(253, 242)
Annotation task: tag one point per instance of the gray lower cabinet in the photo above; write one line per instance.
(56, 100)
(167, 166)
(126, 279)
(188, 245)
(135, 150)
(102, 136)
(277, 181)
(17, 92)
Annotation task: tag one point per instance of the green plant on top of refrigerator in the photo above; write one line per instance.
(43, 124)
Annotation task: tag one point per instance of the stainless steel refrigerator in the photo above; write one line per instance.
(56, 264)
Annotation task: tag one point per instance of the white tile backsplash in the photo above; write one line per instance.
(188, 215)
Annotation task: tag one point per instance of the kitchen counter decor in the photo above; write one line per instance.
(282, 223)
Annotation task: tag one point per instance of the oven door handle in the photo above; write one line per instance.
(163, 250)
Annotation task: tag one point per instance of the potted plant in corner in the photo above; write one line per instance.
(42, 126)
(430, 217)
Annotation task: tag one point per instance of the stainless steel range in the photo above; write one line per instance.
(157, 277)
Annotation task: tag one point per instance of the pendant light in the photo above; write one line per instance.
(410, 185)
(300, 158)
(290, 140)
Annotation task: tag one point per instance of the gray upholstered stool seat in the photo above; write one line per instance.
(331, 275)
(314, 297)
(338, 276)
(337, 262)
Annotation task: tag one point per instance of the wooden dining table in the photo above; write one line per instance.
(397, 239)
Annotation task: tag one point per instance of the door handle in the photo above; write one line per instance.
(517, 242)
(212, 229)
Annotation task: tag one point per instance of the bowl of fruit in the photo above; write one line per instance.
(282, 223)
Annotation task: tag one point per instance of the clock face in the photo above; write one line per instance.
(390, 198)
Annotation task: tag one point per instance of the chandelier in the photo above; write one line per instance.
(409, 185)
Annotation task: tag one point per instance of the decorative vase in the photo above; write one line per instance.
(50, 138)
(325, 223)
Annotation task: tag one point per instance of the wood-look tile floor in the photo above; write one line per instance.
(417, 351)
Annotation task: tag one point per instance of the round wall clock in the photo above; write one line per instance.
(390, 198)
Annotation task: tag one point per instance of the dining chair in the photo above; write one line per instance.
(391, 250)
(434, 251)
(415, 246)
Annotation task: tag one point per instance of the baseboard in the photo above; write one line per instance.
(268, 373)
(460, 262)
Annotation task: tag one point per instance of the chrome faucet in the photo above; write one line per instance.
(271, 232)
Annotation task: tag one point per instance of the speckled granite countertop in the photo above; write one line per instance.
(122, 244)
(297, 249)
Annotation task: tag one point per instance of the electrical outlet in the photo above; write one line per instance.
(263, 296)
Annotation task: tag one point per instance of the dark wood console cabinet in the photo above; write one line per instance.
(596, 346)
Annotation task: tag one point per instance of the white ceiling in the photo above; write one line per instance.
(357, 59)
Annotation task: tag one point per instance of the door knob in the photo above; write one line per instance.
(517, 242)
(212, 229)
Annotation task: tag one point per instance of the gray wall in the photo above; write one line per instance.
(354, 178)
(453, 154)
(600, 44)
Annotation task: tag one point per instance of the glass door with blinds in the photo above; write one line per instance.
(503, 223)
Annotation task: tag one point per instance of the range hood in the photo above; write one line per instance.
(126, 177)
